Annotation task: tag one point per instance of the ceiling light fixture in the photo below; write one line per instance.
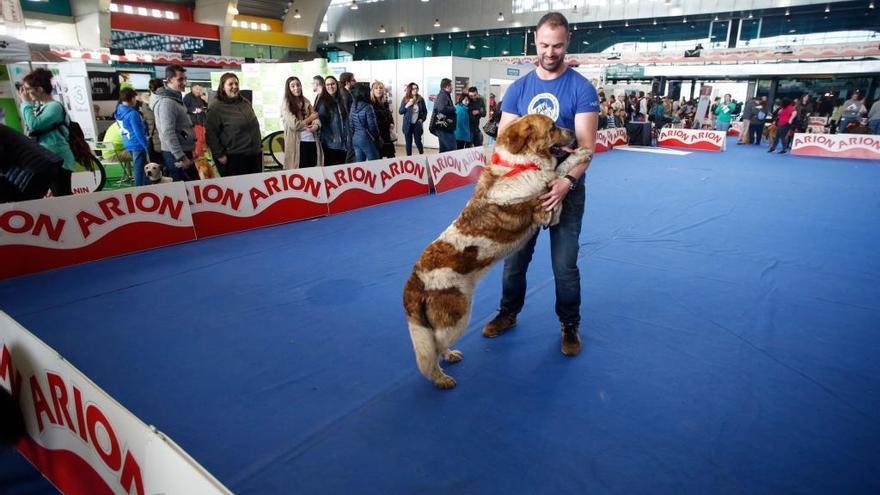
(871, 5)
(436, 23)
(684, 20)
(382, 28)
(354, 5)
(626, 24)
(827, 9)
(787, 12)
(600, 25)
(500, 17)
(296, 14)
(402, 31)
(655, 22)
(750, 15)
(716, 18)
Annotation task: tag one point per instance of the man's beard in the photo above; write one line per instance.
(554, 66)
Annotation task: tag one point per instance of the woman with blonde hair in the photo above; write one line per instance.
(301, 128)
(384, 119)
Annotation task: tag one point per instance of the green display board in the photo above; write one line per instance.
(266, 83)
(8, 109)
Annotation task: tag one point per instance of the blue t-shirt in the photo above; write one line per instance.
(560, 99)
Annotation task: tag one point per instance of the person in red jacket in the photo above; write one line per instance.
(784, 119)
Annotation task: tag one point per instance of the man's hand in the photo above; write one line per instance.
(558, 190)
(185, 163)
(222, 159)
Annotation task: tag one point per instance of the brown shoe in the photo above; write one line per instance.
(502, 322)
(571, 341)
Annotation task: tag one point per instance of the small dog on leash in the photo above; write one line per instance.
(770, 133)
(206, 170)
(154, 172)
(503, 213)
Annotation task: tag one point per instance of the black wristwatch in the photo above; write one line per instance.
(574, 182)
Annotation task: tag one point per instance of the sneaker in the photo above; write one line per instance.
(771, 150)
(502, 322)
(783, 152)
(571, 341)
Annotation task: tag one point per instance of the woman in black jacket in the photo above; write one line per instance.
(384, 119)
(414, 112)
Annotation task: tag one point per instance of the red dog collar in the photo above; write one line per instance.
(515, 167)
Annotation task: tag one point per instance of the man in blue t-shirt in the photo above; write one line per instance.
(567, 97)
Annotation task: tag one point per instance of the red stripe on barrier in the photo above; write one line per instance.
(859, 153)
(70, 473)
(452, 180)
(130, 238)
(359, 198)
(210, 223)
(699, 145)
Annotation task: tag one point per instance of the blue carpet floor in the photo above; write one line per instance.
(731, 325)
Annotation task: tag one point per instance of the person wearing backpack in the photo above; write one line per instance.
(134, 133)
(48, 123)
(756, 121)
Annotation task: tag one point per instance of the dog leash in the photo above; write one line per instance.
(516, 168)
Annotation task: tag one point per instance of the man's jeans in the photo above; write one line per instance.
(138, 161)
(564, 245)
(179, 174)
(447, 141)
(874, 125)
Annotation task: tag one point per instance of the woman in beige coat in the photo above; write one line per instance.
(302, 128)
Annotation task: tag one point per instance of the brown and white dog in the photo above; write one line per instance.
(503, 213)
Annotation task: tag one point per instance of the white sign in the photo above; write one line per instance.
(81, 439)
(862, 146)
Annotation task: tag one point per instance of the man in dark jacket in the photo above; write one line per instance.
(443, 105)
(476, 110)
(347, 82)
(196, 108)
(175, 129)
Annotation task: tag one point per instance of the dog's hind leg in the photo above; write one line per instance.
(427, 356)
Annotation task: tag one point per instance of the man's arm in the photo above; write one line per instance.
(585, 126)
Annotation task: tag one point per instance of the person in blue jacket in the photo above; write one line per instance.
(362, 122)
(463, 136)
(134, 133)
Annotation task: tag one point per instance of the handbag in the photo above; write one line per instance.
(491, 128)
(441, 123)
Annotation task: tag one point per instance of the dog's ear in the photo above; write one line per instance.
(542, 137)
(515, 136)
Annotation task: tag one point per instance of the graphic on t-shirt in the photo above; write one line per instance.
(545, 104)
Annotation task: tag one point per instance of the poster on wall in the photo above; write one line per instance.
(461, 86)
(105, 85)
(266, 82)
(702, 117)
(78, 105)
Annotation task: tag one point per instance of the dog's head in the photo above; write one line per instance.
(534, 134)
(153, 171)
